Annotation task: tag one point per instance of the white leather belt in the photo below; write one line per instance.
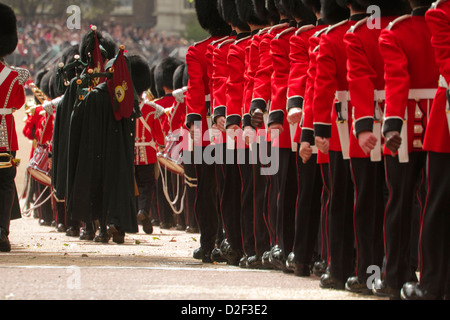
(5, 111)
(422, 94)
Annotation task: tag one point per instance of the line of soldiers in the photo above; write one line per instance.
(350, 96)
(349, 108)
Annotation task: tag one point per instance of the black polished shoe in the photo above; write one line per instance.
(147, 225)
(102, 237)
(255, 262)
(266, 261)
(290, 261)
(190, 229)
(412, 291)
(116, 234)
(198, 253)
(5, 245)
(243, 261)
(216, 256)
(155, 222)
(45, 223)
(329, 282)
(319, 268)
(61, 228)
(166, 225)
(381, 289)
(231, 255)
(355, 285)
(73, 232)
(278, 259)
(87, 235)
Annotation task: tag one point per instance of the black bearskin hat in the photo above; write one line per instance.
(164, 72)
(185, 77)
(357, 5)
(299, 11)
(332, 12)
(421, 3)
(389, 7)
(8, 31)
(315, 5)
(209, 18)
(228, 10)
(266, 13)
(107, 45)
(246, 13)
(178, 77)
(140, 74)
(282, 10)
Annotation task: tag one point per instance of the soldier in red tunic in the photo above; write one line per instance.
(149, 136)
(435, 258)
(198, 108)
(411, 76)
(366, 87)
(330, 85)
(309, 171)
(12, 97)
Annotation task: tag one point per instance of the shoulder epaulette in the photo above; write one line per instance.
(398, 20)
(334, 26)
(304, 29)
(318, 33)
(218, 41)
(358, 24)
(437, 3)
(200, 42)
(278, 26)
(285, 31)
(223, 43)
(245, 38)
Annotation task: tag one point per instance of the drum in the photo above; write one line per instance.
(172, 156)
(39, 166)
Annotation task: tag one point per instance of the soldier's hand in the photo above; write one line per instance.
(275, 129)
(367, 141)
(294, 116)
(249, 135)
(220, 121)
(257, 119)
(305, 151)
(323, 144)
(195, 133)
(393, 141)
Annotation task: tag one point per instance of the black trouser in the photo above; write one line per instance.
(205, 203)
(368, 214)
(340, 228)
(322, 241)
(165, 212)
(191, 193)
(247, 203)
(45, 210)
(435, 238)
(271, 197)
(261, 229)
(146, 183)
(231, 201)
(287, 197)
(404, 183)
(7, 196)
(309, 209)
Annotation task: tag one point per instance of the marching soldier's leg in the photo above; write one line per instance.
(7, 190)
(307, 220)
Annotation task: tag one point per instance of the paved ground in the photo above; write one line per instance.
(47, 265)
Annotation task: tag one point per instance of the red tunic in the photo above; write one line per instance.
(330, 82)
(12, 96)
(280, 51)
(198, 87)
(437, 137)
(147, 138)
(409, 65)
(365, 74)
